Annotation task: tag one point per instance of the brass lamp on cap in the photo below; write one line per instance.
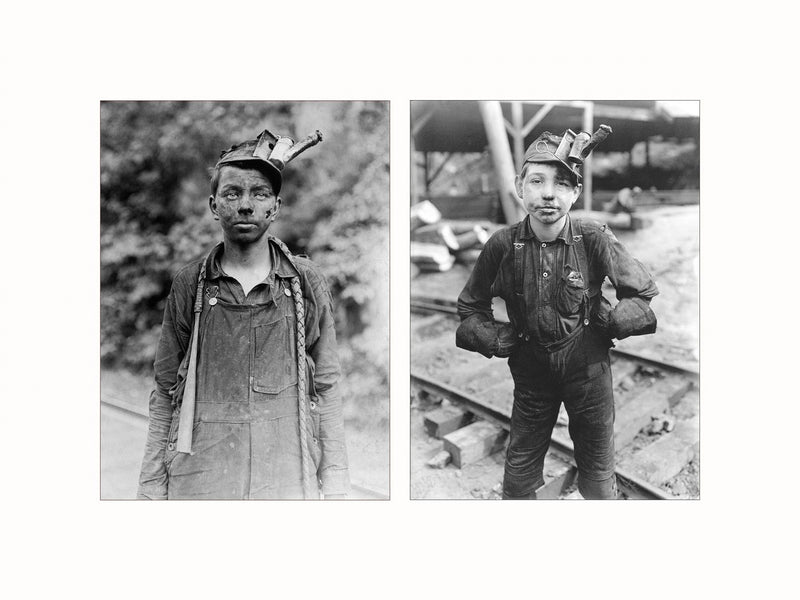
(570, 149)
(269, 153)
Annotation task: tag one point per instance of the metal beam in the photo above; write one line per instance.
(417, 125)
(492, 116)
(447, 157)
(537, 118)
(606, 111)
(517, 134)
(588, 125)
(415, 187)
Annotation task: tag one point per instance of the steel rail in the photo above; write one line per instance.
(633, 487)
(449, 307)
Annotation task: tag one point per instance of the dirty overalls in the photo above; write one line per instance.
(560, 358)
(246, 441)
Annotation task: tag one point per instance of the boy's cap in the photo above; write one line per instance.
(269, 153)
(569, 149)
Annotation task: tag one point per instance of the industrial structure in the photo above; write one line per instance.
(506, 128)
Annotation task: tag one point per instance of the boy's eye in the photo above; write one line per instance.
(231, 194)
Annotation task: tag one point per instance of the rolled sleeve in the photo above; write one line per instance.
(634, 286)
(478, 331)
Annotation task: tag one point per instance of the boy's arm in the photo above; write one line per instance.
(479, 332)
(635, 288)
(175, 332)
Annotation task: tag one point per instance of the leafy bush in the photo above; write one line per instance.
(155, 160)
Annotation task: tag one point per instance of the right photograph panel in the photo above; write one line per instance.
(555, 299)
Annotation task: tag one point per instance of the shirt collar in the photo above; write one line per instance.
(565, 236)
(282, 265)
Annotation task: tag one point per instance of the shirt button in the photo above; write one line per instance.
(287, 292)
(544, 245)
(545, 274)
(171, 446)
(586, 321)
(312, 405)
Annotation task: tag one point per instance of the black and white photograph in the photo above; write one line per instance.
(401, 260)
(554, 285)
(244, 300)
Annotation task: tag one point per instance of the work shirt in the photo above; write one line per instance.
(554, 297)
(246, 435)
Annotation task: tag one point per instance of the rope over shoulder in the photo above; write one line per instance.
(186, 423)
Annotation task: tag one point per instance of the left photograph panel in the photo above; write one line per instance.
(244, 300)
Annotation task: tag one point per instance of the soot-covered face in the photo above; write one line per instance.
(245, 204)
(547, 190)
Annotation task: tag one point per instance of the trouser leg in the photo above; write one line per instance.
(589, 400)
(532, 419)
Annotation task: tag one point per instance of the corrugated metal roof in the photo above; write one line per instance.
(456, 125)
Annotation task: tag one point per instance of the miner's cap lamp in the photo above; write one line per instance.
(569, 149)
(268, 153)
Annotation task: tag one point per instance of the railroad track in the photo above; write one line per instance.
(138, 417)
(656, 429)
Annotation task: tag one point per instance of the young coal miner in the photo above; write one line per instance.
(246, 403)
(549, 268)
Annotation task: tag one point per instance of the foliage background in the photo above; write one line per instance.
(154, 171)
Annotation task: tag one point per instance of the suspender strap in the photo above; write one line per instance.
(520, 247)
(583, 265)
(186, 423)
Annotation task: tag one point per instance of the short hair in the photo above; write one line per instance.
(562, 170)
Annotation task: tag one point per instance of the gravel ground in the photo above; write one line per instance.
(122, 441)
(669, 248)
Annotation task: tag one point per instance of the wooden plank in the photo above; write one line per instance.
(474, 442)
(440, 422)
(558, 476)
(635, 410)
(665, 458)
(635, 416)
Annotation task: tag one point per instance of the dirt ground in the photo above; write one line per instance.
(669, 248)
(122, 439)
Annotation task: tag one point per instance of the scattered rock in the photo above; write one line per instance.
(626, 384)
(650, 372)
(458, 472)
(679, 488)
(498, 489)
(660, 424)
(439, 461)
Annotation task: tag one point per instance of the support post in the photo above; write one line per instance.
(414, 171)
(588, 126)
(426, 162)
(492, 116)
(519, 137)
